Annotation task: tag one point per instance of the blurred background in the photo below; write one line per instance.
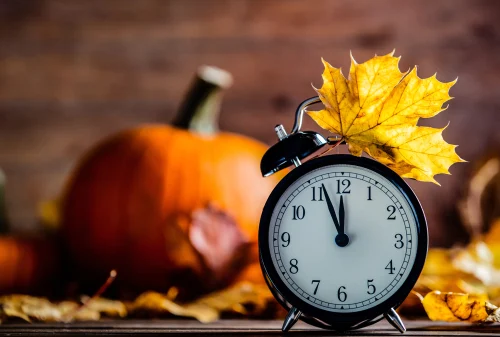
(73, 72)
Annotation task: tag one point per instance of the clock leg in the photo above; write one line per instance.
(291, 318)
(392, 317)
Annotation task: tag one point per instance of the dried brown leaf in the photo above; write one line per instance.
(30, 308)
(106, 307)
(471, 207)
(221, 243)
(208, 308)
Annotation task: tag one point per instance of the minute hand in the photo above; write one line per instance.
(332, 211)
(342, 215)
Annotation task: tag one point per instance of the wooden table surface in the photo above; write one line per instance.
(232, 327)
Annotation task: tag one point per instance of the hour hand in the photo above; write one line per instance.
(332, 210)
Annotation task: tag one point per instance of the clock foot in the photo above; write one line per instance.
(291, 319)
(392, 317)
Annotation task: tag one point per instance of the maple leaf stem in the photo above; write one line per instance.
(420, 297)
(335, 142)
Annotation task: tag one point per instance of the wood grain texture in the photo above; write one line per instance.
(235, 327)
(72, 72)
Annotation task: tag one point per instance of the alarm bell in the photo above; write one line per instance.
(290, 150)
(293, 147)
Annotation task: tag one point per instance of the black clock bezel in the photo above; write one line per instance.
(281, 291)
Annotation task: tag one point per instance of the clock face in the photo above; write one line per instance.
(343, 238)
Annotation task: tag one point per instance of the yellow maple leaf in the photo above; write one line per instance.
(376, 110)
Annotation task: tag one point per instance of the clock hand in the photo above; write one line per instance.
(341, 239)
(342, 215)
(332, 210)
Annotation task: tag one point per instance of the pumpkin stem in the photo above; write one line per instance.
(4, 228)
(199, 111)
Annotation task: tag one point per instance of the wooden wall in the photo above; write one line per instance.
(73, 71)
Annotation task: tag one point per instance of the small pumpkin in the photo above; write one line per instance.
(27, 265)
(122, 205)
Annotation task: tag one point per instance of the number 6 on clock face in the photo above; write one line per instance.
(342, 238)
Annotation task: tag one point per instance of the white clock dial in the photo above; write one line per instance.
(375, 217)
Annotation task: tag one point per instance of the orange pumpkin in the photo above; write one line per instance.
(27, 265)
(122, 203)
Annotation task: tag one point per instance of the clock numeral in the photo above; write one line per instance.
(392, 209)
(371, 288)
(317, 285)
(369, 193)
(285, 237)
(299, 212)
(346, 184)
(390, 268)
(342, 295)
(399, 243)
(294, 269)
(320, 194)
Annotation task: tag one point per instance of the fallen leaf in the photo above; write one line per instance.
(456, 307)
(209, 308)
(484, 185)
(223, 246)
(106, 307)
(469, 269)
(29, 308)
(158, 303)
(72, 311)
(376, 110)
(473, 270)
(11, 306)
(477, 260)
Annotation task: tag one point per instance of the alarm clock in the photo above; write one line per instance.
(342, 239)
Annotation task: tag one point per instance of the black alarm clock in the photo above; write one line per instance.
(342, 239)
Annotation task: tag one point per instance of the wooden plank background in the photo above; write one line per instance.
(232, 327)
(74, 71)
